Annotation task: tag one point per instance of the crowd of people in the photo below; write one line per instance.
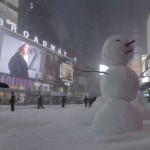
(12, 101)
(88, 101)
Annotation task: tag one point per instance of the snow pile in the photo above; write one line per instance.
(117, 117)
(139, 104)
(87, 114)
(98, 103)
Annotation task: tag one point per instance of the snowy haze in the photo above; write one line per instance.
(69, 128)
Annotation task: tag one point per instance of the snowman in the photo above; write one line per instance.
(119, 87)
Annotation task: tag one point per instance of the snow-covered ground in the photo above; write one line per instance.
(56, 128)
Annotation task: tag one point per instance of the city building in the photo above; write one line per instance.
(50, 64)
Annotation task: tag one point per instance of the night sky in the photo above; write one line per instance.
(84, 25)
(88, 23)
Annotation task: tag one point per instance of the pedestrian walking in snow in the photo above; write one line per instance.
(85, 101)
(90, 101)
(63, 101)
(12, 101)
(40, 102)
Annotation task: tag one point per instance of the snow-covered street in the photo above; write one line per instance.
(56, 128)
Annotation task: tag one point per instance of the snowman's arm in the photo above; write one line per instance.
(144, 72)
(76, 74)
(92, 70)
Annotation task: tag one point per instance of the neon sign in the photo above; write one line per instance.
(15, 81)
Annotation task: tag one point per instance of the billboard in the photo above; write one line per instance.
(21, 59)
(50, 67)
(66, 72)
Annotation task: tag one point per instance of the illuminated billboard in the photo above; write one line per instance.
(50, 69)
(21, 59)
(66, 72)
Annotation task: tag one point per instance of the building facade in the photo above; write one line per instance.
(50, 67)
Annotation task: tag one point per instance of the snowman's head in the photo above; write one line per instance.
(117, 50)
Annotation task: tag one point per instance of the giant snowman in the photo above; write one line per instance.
(119, 87)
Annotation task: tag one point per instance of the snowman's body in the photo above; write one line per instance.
(119, 87)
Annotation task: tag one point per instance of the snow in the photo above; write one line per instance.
(56, 128)
(116, 52)
(119, 87)
(116, 117)
(118, 124)
(141, 104)
(120, 83)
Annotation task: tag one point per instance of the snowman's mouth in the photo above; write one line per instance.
(129, 51)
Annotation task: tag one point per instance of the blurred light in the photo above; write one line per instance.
(68, 84)
(103, 68)
(31, 5)
(145, 79)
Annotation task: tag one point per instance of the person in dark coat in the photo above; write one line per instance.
(18, 64)
(40, 102)
(94, 99)
(63, 101)
(12, 101)
(90, 102)
(85, 101)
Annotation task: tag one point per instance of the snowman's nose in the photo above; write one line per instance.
(127, 44)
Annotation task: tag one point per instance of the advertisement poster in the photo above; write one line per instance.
(50, 69)
(21, 59)
(66, 73)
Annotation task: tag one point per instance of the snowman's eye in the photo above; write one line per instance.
(117, 40)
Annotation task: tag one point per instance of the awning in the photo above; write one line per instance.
(3, 85)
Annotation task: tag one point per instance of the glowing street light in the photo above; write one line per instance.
(103, 68)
